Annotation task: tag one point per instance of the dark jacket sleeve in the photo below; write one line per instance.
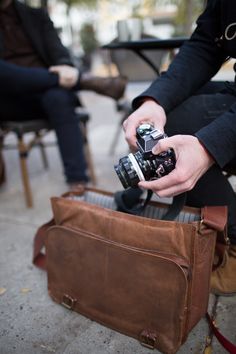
(197, 62)
(219, 137)
(17, 80)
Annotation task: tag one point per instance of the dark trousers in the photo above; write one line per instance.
(58, 106)
(213, 188)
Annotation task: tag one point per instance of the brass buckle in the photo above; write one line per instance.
(68, 301)
(148, 338)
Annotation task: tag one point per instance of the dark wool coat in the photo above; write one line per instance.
(45, 40)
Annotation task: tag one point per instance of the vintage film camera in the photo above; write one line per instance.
(143, 165)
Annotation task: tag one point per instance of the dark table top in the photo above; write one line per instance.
(147, 43)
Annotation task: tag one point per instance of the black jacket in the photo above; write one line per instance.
(43, 36)
(198, 61)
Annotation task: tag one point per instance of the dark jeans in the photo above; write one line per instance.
(58, 106)
(213, 188)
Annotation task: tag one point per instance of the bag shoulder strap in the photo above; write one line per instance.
(39, 258)
(128, 201)
(215, 217)
(229, 346)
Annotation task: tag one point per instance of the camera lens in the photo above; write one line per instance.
(122, 175)
(136, 167)
(127, 171)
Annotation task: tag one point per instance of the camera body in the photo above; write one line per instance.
(143, 165)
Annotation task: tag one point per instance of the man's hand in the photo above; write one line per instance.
(192, 161)
(68, 75)
(148, 112)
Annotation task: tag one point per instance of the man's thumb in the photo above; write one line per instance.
(162, 145)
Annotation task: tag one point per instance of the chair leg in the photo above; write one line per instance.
(89, 160)
(88, 154)
(23, 153)
(2, 164)
(117, 135)
(42, 150)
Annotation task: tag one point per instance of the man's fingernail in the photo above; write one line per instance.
(154, 151)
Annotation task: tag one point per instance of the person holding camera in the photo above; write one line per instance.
(199, 116)
(38, 79)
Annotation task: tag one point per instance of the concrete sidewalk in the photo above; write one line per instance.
(30, 322)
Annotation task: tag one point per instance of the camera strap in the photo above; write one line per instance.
(128, 201)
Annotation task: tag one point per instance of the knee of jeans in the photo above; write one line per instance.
(57, 97)
(59, 104)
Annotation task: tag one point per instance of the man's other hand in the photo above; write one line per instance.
(68, 75)
(149, 112)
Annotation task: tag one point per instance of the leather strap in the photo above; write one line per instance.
(220, 250)
(128, 201)
(176, 207)
(39, 258)
(229, 346)
(215, 217)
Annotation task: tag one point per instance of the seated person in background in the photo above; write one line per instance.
(200, 122)
(37, 78)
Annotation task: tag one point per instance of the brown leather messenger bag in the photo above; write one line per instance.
(141, 275)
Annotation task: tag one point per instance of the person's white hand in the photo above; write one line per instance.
(68, 75)
(148, 112)
(192, 161)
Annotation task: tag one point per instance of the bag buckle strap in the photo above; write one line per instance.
(68, 301)
(148, 338)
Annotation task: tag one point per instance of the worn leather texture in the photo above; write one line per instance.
(143, 277)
